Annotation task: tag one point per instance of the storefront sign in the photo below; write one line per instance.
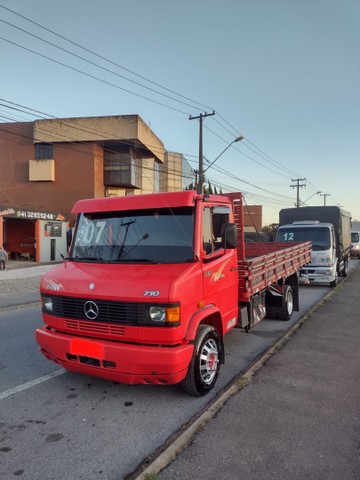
(29, 214)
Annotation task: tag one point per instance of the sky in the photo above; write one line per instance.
(283, 74)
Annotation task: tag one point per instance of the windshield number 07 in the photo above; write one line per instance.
(93, 230)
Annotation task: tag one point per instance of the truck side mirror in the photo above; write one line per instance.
(229, 235)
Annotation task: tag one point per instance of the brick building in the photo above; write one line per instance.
(47, 165)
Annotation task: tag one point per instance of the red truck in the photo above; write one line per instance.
(154, 282)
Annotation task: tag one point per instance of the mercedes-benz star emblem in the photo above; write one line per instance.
(91, 310)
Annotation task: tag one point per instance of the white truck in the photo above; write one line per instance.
(329, 230)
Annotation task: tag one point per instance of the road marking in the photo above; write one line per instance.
(30, 384)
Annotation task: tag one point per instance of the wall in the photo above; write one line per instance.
(45, 241)
(78, 172)
(99, 129)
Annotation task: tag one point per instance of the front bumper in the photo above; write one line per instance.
(317, 275)
(119, 362)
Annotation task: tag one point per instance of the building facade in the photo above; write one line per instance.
(47, 165)
(176, 173)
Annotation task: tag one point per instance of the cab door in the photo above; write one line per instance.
(220, 269)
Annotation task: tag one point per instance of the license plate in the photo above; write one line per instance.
(87, 348)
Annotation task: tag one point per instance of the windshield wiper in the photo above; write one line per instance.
(145, 260)
(88, 259)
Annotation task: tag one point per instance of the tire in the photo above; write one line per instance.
(287, 307)
(205, 363)
(271, 312)
(334, 282)
(345, 271)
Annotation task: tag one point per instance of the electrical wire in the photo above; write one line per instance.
(106, 59)
(263, 155)
(89, 75)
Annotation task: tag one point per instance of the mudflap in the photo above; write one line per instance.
(253, 312)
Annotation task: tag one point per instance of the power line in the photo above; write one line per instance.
(262, 155)
(269, 159)
(248, 156)
(103, 58)
(263, 198)
(94, 77)
(95, 64)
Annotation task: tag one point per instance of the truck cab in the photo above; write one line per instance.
(323, 265)
(145, 274)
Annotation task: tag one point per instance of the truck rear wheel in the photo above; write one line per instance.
(287, 307)
(345, 270)
(205, 363)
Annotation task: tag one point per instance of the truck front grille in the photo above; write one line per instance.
(99, 311)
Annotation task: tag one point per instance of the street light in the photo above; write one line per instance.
(237, 139)
(202, 170)
(316, 193)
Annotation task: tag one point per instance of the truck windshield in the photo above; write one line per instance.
(318, 236)
(141, 236)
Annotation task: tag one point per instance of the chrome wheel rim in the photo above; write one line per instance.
(209, 359)
(290, 303)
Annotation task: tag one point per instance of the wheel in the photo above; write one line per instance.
(345, 271)
(287, 307)
(205, 363)
(271, 312)
(334, 282)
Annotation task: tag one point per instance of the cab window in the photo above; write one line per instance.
(214, 219)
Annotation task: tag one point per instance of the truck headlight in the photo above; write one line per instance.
(165, 315)
(47, 304)
(157, 314)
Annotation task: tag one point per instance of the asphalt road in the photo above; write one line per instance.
(62, 426)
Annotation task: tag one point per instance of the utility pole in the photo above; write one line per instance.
(324, 195)
(196, 178)
(201, 157)
(298, 186)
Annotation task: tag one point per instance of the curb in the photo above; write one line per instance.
(238, 383)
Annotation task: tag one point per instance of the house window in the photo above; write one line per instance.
(120, 170)
(44, 151)
(53, 229)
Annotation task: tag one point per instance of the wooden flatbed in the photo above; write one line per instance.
(267, 263)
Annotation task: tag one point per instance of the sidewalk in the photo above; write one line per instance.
(298, 417)
(19, 283)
